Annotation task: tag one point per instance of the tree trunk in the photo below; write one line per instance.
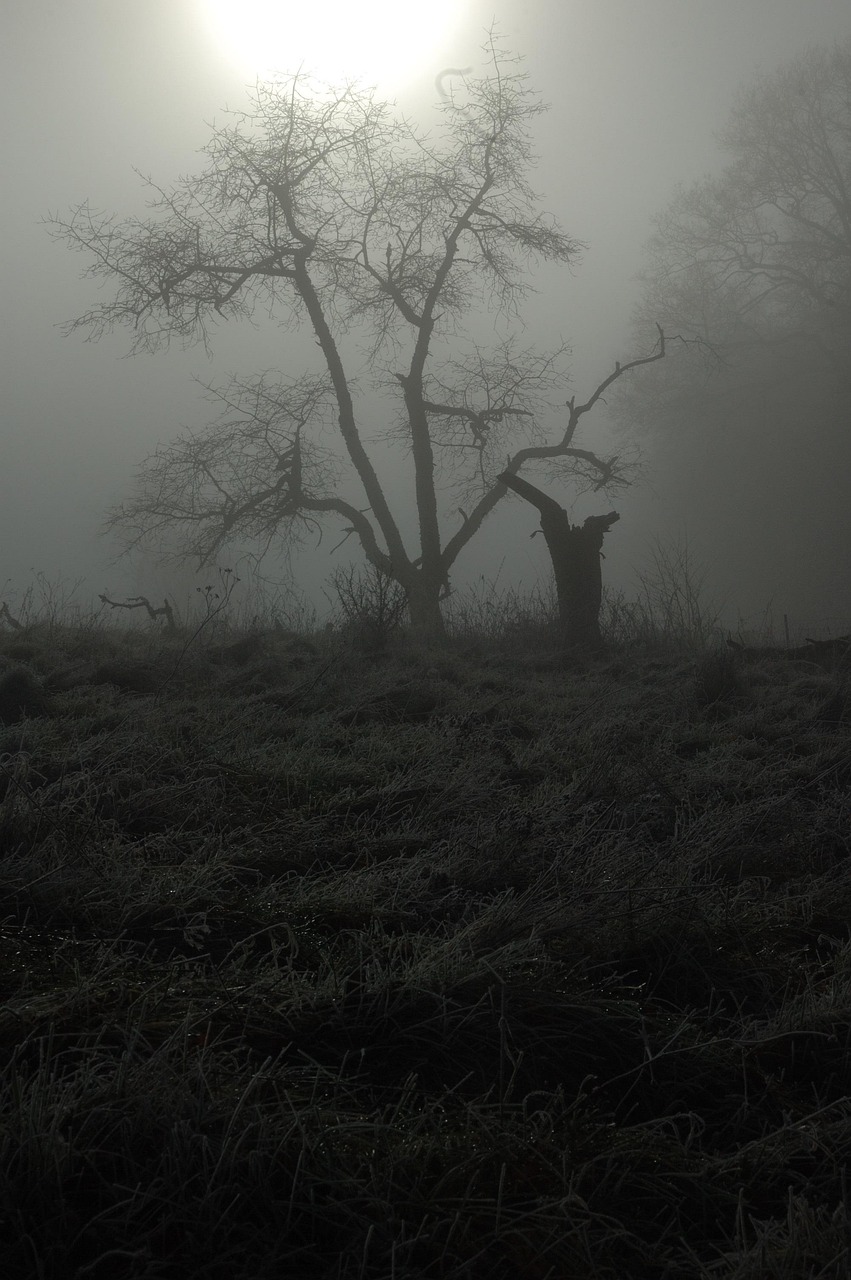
(575, 551)
(424, 609)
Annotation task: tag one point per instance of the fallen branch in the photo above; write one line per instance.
(840, 647)
(142, 602)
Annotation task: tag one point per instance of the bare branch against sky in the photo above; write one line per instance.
(638, 96)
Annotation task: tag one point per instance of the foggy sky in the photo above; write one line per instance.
(93, 88)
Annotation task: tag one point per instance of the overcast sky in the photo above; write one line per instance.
(93, 88)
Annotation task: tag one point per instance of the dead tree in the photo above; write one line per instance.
(575, 551)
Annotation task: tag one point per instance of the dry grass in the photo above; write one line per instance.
(447, 963)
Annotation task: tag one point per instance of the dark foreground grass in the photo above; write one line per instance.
(455, 963)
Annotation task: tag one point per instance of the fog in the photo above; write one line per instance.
(93, 91)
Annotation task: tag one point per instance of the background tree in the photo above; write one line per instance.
(753, 267)
(324, 208)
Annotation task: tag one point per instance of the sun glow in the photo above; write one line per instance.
(383, 42)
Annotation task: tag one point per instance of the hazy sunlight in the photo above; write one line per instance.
(380, 42)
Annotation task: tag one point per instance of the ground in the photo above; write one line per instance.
(460, 961)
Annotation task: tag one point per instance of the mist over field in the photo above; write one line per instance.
(424, 852)
(737, 459)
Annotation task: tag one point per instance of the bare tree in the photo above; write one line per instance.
(752, 266)
(322, 206)
(763, 250)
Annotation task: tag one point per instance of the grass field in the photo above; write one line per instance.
(325, 958)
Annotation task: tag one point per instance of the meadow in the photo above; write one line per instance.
(334, 954)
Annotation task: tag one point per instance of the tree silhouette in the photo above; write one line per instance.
(324, 208)
(763, 250)
(752, 267)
